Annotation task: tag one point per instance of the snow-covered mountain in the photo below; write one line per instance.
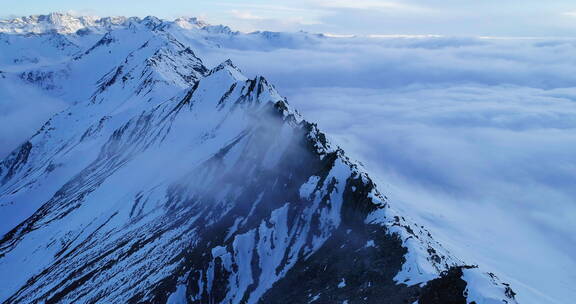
(167, 181)
(60, 23)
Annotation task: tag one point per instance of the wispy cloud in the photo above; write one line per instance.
(245, 15)
(371, 5)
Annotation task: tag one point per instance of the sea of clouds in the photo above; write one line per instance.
(474, 137)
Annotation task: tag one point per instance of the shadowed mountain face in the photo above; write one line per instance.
(168, 182)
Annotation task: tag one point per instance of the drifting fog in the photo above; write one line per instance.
(23, 110)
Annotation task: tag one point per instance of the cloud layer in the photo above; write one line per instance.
(475, 137)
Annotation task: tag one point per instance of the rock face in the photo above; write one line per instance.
(168, 182)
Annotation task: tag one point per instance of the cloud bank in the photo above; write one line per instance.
(476, 137)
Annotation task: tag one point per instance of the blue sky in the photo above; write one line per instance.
(446, 17)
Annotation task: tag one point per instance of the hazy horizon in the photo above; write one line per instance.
(414, 17)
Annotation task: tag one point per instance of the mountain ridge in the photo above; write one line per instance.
(205, 186)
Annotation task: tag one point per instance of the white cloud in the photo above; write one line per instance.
(372, 4)
(246, 15)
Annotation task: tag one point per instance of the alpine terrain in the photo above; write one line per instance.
(168, 181)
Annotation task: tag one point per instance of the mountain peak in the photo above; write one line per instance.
(161, 63)
(227, 64)
(152, 22)
(190, 22)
